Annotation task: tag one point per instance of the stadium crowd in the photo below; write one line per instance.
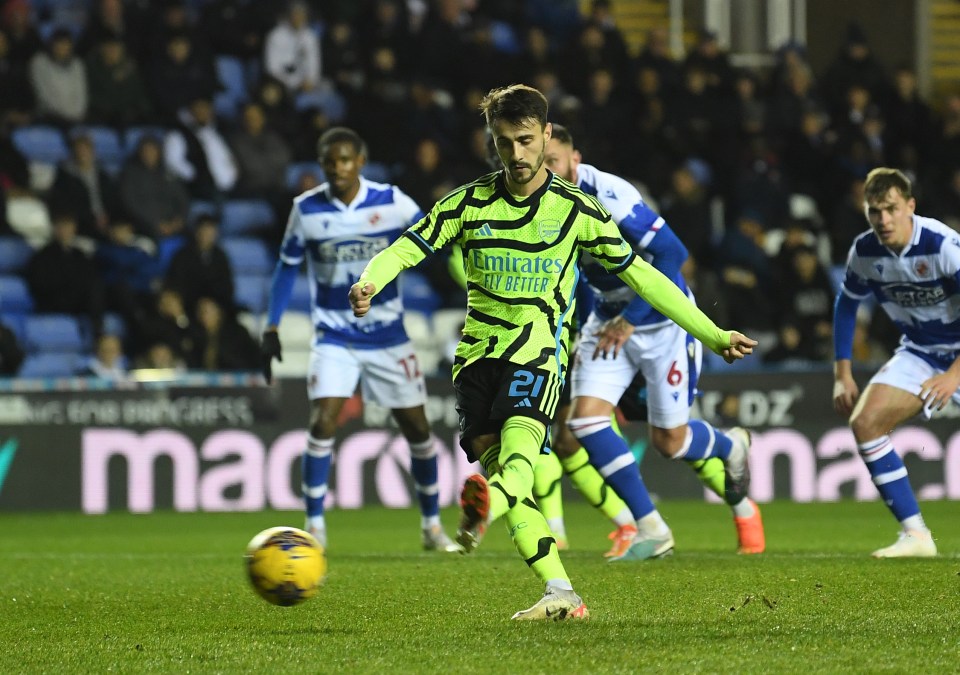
(177, 117)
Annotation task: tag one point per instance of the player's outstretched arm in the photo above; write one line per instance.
(361, 293)
(673, 303)
(381, 270)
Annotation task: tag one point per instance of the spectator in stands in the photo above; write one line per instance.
(118, 95)
(235, 27)
(709, 57)
(794, 98)
(910, 121)
(291, 50)
(84, 189)
(11, 353)
(746, 276)
(429, 178)
(656, 55)
(62, 277)
(155, 200)
(201, 268)
(173, 17)
(114, 19)
(179, 75)
(687, 208)
(168, 323)
(223, 343)
(587, 54)
(197, 153)
(281, 115)
(108, 361)
(343, 57)
(17, 21)
(388, 26)
(808, 159)
(262, 157)
(17, 103)
(59, 80)
(159, 356)
(130, 271)
(846, 220)
(805, 309)
(854, 65)
(445, 31)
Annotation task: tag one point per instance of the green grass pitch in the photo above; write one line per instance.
(166, 593)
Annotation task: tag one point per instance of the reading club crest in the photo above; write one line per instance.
(549, 230)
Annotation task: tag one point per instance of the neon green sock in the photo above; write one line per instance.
(592, 485)
(710, 473)
(546, 489)
(535, 544)
(520, 441)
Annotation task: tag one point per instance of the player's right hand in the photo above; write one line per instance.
(740, 346)
(845, 395)
(269, 350)
(360, 296)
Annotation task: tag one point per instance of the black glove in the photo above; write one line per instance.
(270, 350)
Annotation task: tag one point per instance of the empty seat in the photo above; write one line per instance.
(233, 77)
(330, 102)
(14, 295)
(248, 255)
(15, 253)
(243, 216)
(297, 170)
(108, 147)
(41, 143)
(52, 333)
(250, 291)
(50, 364)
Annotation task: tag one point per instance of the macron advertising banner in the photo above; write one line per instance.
(214, 447)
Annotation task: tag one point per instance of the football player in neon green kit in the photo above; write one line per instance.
(522, 231)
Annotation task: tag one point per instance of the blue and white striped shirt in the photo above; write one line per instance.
(338, 240)
(919, 288)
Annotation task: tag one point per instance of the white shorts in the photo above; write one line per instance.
(389, 377)
(668, 358)
(908, 371)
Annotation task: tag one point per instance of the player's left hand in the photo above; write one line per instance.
(937, 391)
(740, 346)
(613, 335)
(269, 350)
(360, 296)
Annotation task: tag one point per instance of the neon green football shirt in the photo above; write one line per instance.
(521, 263)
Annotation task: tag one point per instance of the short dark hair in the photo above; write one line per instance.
(516, 104)
(341, 135)
(880, 180)
(562, 134)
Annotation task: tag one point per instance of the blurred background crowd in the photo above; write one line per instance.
(149, 151)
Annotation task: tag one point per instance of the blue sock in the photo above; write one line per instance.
(316, 471)
(703, 442)
(890, 476)
(423, 466)
(612, 458)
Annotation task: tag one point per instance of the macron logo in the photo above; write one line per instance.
(485, 231)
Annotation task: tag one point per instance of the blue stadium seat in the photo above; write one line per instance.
(417, 293)
(248, 255)
(243, 216)
(14, 254)
(232, 75)
(376, 171)
(52, 333)
(296, 170)
(14, 295)
(14, 321)
(132, 136)
(330, 102)
(300, 298)
(41, 143)
(250, 291)
(113, 324)
(50, 364)
(108, 147)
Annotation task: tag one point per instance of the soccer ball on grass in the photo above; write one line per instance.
(285, 565)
